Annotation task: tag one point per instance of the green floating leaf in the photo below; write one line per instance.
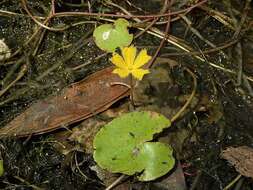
(121, 146)
(108, 37)
(157, 158)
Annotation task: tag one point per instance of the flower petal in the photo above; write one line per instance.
(141, 59)
(129, 54)
(139, 73)
(117, 60)
(123, 73)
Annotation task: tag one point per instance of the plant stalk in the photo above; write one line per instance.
(132, 90)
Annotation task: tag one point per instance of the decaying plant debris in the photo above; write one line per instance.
(49, 46)
(241, 158)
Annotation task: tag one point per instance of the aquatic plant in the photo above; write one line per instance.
(123, 146)
(129, 63)
(108, 37)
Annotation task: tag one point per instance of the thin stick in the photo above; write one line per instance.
(28, 184)
(62, 14)
(115, 182)
(20, 75)
(225, 20)
(120, 83)
(89, 62)
(17, 94)
(207, 51)
(11, 14)
(78, 168)
(163, 10)
(243, 19)
(11, 71)
(247, 85)
(177, 42)
(239, 184)
(32, 37)
(161, 44)
(238, 59)
(233, 182)
(150, 26)
(196, 32)
(173, 40)
(196, 180)
(166, 4)
(38, 22)
(146, 29)
(177, 115)
(80, 43)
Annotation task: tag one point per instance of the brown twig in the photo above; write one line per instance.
(225, 20)
(196, 32)
(166, 4)
(32, 37)
(20, 75)
(51, 14)
(243, 19)
(208, 51)
(179, 113)
(28, 184)
(146, 29)
(80, 43)
(116, 182)
(62, 14)
(163, 10)
(149, 65)
(238, 59)
(177, 42)
(232, 182)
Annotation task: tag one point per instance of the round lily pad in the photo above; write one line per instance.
(122, 146)
(108, 37)
(157, 158)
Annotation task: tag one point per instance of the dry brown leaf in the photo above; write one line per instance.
(79, 101)
(241, 158)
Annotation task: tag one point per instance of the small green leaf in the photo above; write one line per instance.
(121, 146)
(108, 37)
(157, 158)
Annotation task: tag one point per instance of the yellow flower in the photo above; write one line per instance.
(129, 63)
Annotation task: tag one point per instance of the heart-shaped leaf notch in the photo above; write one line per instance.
(122, 146)
(108, 37)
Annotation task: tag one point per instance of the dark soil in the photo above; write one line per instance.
(221, 117)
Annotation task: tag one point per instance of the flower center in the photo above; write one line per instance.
(130, 67)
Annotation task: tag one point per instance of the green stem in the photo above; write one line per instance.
(131, 90)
